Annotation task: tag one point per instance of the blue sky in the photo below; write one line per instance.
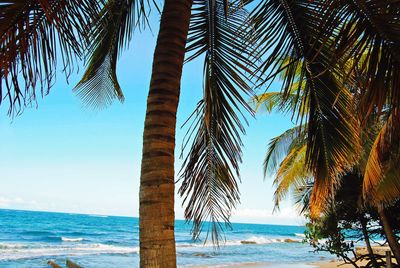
(63, 157)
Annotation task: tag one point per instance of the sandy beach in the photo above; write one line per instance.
(320, 264)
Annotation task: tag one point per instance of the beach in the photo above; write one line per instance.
(321, 264)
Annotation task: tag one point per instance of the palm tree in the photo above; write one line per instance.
(315, 35)
(380, 135)
(286, 159)
(321, 47)
(292, 175)
(215, 29)
(157, 184)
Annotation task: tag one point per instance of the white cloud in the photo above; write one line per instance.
(18, 200)
(18, 203)
(4, 202)
(287, 215)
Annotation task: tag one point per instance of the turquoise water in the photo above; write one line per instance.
(29, 239)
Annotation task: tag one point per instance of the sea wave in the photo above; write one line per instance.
(27, 251)
(37, 233)
(66, 239)
(98, 216)
(13, 246)
(268, 240)
(300, 235)
(255, 240)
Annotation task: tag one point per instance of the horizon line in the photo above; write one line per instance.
(126, 216)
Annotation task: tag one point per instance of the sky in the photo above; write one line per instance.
(60, 156)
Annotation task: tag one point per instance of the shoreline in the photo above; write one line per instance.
(319, 264)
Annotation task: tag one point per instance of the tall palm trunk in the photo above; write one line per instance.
(392, 240)
(156, 213)
(364, 229)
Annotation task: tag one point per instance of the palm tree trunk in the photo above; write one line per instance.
(391, 238)
(157, 186)
(367, 242)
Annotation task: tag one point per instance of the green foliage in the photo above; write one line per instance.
(219, 32)
(327, 234)
(33, 34)
(113, 31)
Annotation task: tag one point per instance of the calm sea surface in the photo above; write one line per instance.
(29, 239)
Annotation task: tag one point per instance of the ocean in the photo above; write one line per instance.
(30, 239)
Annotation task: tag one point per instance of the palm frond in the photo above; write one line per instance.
(280, 101)
(302, 194)
(280, 146)
(289, 39)
(300, 31)
(211, 168)
(273, 101)
(382, 179)
(333, 144)
(33, 34)
(99, 85)
(292, 174)
(370, 36)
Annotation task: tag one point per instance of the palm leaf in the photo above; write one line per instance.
(273, 101)
(302, 194)
(292, 174)
(99, 85)
(211, 168)
(280, 146)
(381, 177)
(280, 101)
(33, 34)
(369, 34)
(289, 29)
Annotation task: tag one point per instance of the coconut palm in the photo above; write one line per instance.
(215, 30)
(330, 44)
(286, 159)
(292, 176)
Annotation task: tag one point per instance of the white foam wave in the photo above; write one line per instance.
(258, 240)
(4, 246)
(66, 239)
(18, 251)
(300, 235)
(262, 240)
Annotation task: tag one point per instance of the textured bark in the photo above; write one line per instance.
(363, 222)
(392, 240)
(156, 211)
